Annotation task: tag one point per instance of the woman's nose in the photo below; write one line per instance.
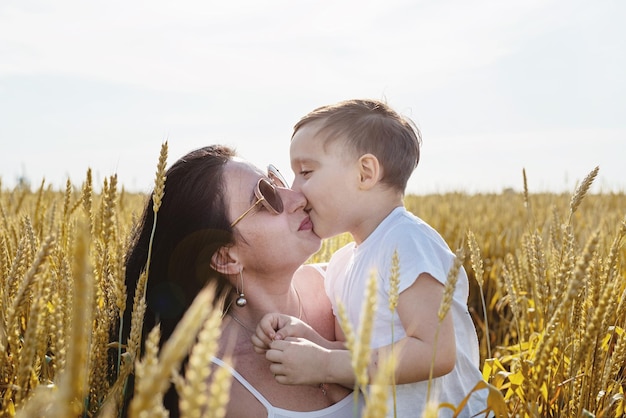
(292, 200)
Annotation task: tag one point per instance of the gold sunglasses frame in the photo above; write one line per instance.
(272, 173)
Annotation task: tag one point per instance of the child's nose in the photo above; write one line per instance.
(296, 184)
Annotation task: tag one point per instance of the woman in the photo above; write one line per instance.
(224, 221)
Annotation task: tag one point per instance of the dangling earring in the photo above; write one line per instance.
(241, 300)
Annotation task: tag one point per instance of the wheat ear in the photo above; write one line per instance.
(195, 389)
(379, 389)
(139, 301)
(32, 340)
(477, 264)
(546, 344)
(348, 332)
(73, 385)
(394, 294)
(157, 197)
(219, 392)
(155, 381)
(148, 400)
(361, 360)
(581, 191)
(87, 198)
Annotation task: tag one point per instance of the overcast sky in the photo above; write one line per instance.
(495, 86)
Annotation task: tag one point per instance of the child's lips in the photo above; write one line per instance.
(306, 224)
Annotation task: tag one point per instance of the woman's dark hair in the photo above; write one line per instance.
(192, 224)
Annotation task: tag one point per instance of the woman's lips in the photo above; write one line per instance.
(306, 225)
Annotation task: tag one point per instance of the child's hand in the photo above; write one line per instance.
(297, 361)
(277, 326)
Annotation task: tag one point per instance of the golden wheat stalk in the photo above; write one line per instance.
(194, 390)
(444, 308)
(360, 362)
(108, 212)
(596, 324)
(65, 224)
(394, 282)
(139, 301)
(219, 392)
(73, 384)
(159, 182)
(351, 343)
(346, 327)
(360, 350)
(526, 199)
(383, 380)
(611, 267)
(563, 276)
(146, 403)
(133, 343)
(581, 192)
(152, 382)
(394, 294)
(479, 273)
(9, 333)
(157, 197)
(431, 410)
(39, 206)
(40, 404)
(20, 298)
(87, 198)
(512, 298)
(28, 355)
(4, 273)
(547, 343)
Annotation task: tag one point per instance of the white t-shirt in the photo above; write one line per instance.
(421, 250)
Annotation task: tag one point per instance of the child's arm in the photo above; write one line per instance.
(301, 362)
(418, 309)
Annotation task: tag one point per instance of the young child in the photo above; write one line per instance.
(352, 161)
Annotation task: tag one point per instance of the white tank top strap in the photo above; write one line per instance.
(268, 406)
(345, 408)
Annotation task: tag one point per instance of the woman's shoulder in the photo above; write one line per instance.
(315, 271)
(309, 279)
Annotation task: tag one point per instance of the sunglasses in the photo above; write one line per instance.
(266, 193)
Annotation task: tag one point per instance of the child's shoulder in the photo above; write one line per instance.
(408, 230)
(403, 221)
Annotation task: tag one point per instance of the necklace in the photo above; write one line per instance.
(322, 386)
(240, 322)
(237, 320)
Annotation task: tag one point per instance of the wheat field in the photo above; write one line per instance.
(548, 298)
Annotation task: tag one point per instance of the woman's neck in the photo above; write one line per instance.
(263, 298)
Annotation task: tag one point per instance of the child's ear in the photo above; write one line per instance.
(370, 171)
(225, 261)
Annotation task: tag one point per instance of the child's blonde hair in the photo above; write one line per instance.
(371, 126)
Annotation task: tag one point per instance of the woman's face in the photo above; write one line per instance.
(265, 240)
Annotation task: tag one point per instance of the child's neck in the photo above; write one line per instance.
(373, 211)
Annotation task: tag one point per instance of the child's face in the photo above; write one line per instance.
(327, 177)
